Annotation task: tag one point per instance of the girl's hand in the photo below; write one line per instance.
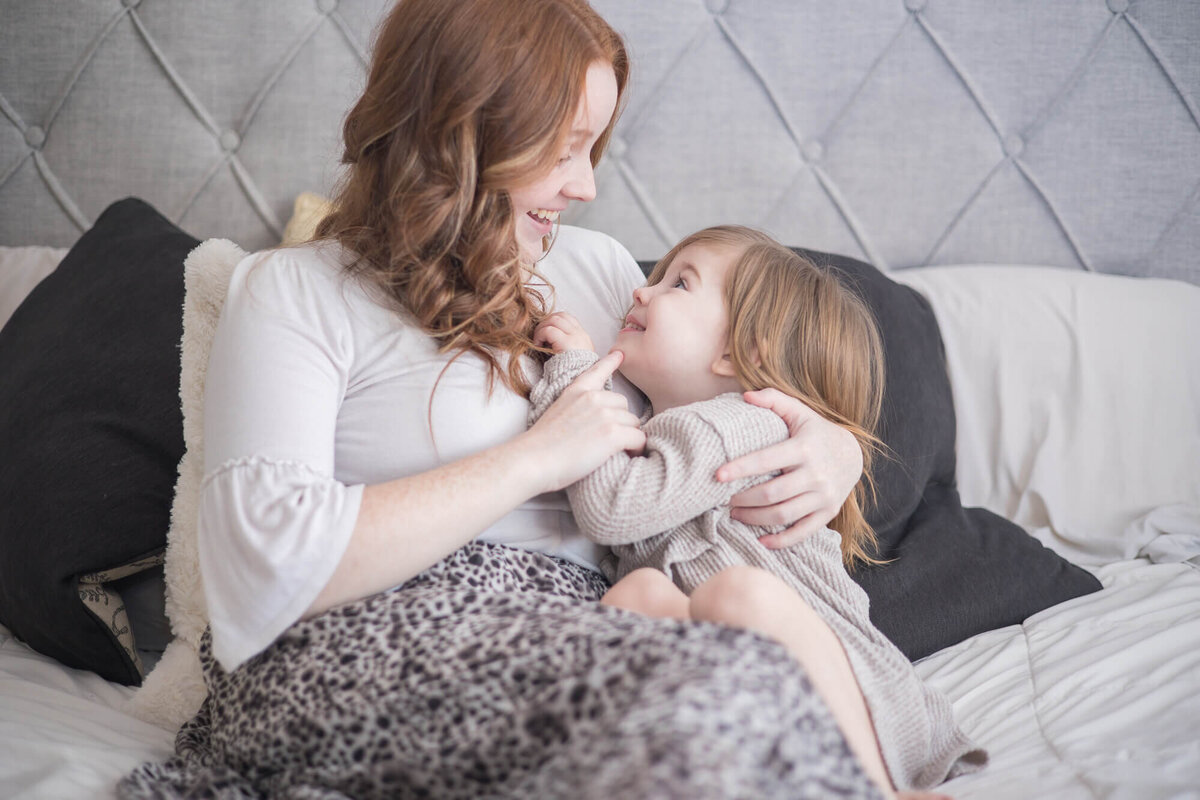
(585, 426)
(821, 464)
(560, 331)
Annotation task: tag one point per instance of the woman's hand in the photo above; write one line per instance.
(560, 332)
(584, 427)
(821, 464)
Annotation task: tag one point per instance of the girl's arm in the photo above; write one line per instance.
(632, 497)
(820, 463)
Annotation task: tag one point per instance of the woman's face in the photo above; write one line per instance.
(538, 203)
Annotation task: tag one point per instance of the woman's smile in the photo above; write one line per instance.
(539, 201)
(543, 220)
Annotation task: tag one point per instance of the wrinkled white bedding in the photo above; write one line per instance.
(1096, 698)
(62, 733)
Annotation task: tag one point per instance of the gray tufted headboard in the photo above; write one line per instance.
(906, 132)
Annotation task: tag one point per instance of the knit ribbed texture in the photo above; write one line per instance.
(666, 510)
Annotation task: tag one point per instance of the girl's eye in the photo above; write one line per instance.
(680, 283)
(564, 159)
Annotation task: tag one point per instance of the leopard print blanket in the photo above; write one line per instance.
(497, 674)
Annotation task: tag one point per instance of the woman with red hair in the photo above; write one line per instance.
(400, 603)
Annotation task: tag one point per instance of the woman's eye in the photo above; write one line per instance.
(564, 159)
(680, 283)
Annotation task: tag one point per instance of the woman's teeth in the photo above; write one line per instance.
(541, 213)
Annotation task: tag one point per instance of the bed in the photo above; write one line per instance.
(1032, 171)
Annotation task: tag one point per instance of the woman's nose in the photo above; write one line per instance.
(582, 183)
(640, 295)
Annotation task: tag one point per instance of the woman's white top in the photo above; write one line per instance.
(317, 388)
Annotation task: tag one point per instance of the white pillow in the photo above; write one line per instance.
(21, 269)
(1078, 401)
(173, 691)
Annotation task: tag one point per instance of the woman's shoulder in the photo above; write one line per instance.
(314, 264)
(311, 278)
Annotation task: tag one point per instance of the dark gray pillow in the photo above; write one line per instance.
(953, 572)
(91, 437)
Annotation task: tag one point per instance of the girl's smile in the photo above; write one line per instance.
(674, 337)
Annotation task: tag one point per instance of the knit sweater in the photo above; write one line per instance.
(665, 510)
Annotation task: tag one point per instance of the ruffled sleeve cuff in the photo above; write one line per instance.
(271, 534)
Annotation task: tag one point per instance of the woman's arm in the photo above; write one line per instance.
(407, 525)
(821, 463)
(280, 536)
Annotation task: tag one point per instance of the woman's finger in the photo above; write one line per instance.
(794, 535)
(632, 440)
(780, 488)
(624, 416)
(790, 410)
(594, 377)
(784, 513)
(770, 459)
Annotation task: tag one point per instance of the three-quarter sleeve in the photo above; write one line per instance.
(273, 520)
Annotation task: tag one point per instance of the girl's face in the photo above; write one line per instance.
(537, 204)
(674, 337)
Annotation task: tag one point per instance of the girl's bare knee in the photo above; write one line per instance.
(647, 591)
(753, 598)
(737, 595)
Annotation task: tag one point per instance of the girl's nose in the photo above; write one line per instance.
(640, 295)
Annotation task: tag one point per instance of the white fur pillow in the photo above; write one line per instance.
(1077, 397)
(174, 689)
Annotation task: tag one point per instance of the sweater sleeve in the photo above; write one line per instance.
(630, 498)
(557, 374)
(273, 520)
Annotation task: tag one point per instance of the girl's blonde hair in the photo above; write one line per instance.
(464, 100)
(795, 327)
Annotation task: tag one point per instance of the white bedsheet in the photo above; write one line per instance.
(62, 734)
(1096, 698)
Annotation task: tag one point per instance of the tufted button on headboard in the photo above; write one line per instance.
(906, 132)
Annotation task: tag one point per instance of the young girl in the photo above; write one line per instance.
(729, 310)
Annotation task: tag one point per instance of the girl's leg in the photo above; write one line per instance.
(751, 598)
(649, 592)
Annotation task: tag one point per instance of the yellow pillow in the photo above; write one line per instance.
(310, 208)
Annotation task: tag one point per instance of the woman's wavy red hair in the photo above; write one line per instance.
(465, 99)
